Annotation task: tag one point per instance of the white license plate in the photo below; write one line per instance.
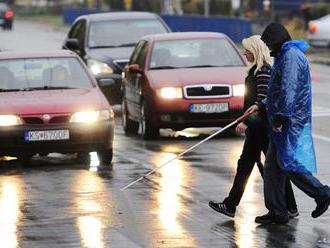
(209, 108)
(47, 135)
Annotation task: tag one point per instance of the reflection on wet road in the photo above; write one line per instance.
(56, 202)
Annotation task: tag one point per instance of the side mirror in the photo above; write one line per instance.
(106, 82)
(72, 44)
(135, 68)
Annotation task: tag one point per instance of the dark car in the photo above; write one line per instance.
(106, 41)
(182, 80)
(49, 102)
(6, 16)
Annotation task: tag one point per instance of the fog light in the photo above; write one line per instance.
(165, 118)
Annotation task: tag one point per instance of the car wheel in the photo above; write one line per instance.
(129, 126)
(146, 129)
(83, 158)
(25, 159)
(105, 156)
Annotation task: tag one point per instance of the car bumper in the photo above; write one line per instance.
(82, 138)
(319, 42)
(113, 94)
(176, 113)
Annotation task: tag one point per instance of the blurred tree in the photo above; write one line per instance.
(146, 5)
(116, 4)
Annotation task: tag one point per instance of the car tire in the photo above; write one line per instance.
(105, 156)
(146, 129)
(25, 159)
(129, 126)
(83, 158)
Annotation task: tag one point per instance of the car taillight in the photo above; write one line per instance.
(312, 27)
(9, 14)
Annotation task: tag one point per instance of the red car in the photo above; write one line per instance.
(49, 102)
(181, 80)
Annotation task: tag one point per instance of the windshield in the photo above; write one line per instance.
(122, 32)
(43, 73)
(194, 53)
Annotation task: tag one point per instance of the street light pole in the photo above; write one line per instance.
(206, 7)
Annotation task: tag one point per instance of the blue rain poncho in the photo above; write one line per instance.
(289, 99)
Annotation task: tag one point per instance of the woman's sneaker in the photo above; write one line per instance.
(293, 213)
(222, 208)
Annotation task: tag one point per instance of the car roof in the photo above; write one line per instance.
(184, 35)
(31, 55)
(119, 16)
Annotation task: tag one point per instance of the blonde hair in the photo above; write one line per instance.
(260, 51)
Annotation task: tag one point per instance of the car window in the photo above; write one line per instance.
(140, 60)
(43, 72)
(75, 29)
(116, 33)
(210, 52)
(81, 33)
(133, 59)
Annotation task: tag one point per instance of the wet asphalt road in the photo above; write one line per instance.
(55, 202)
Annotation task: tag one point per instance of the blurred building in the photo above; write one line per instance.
(281, 7)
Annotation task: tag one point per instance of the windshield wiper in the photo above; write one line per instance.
(48, 88)
(200, 66)
(105, 46)
(10, 90)
(127, 44)
(164, 67)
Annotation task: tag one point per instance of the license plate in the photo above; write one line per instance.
(47, 135)
(209, 108)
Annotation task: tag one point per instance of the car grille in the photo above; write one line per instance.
(33, 120)
(207, 91)
(121, 63)
(61, 119)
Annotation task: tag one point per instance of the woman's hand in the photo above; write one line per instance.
(252, 109)
(240, 128)
(277, 129)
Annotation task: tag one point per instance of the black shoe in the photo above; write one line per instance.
(321, 207)
(271, 218)
(222, 208)
(293, 213)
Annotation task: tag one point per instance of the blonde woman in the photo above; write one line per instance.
(255, 128)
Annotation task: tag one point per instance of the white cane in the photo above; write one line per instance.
(188, 150)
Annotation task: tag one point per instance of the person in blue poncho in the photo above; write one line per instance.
(288, 107)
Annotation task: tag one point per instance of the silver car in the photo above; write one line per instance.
(319, 32)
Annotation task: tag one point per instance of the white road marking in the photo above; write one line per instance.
(321, 137)
(320, 111)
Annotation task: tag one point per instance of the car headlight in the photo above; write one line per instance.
(238, 90)
(91, 116)
(170, 92)
(9, 120)
(98, 67)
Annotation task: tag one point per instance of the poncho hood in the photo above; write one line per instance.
(300, 44)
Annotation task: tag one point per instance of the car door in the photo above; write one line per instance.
(134, 81)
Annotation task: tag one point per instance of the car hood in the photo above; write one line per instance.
(191, 76)
(108, 54)
(51, 101)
